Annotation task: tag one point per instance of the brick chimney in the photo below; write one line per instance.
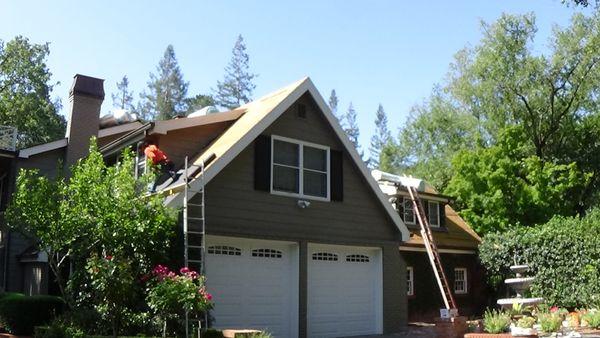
(86, 96)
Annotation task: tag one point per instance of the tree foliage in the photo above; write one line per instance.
(123, 98)
(351, 126)
(98, 211)
(198, 102)
(381, 137)
(499, 84)
(167, 90)
(237, 86)
(25, 88)
(504, 186)
(333, 103)
(563, 255)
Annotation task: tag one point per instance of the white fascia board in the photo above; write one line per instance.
(270, 118)
(42, 148)
(448, 251)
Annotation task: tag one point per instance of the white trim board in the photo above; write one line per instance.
(449, 251)
(298, 89)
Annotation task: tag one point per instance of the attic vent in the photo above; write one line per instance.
(301, 110)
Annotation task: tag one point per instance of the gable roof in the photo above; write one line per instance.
(259, 115)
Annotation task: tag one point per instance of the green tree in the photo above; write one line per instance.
(505, 185)
(123, 98)
(25, 88)
(198, 102)
(380, 138)
(434, 132)
(166, 96)
(333, 103)
(237, 86)
(99, 211)
(351, 126)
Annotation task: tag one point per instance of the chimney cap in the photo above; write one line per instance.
(87, 86)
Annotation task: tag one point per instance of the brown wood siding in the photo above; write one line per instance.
(235, 208)
(178, 144)
(47, 163)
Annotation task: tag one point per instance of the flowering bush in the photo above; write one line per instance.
(171, 294)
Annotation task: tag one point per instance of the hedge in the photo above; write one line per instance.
(563, 255)
(19, 314)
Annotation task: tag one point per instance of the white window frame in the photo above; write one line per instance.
(301, 169)
(410, 281)
(437, 224)
(465, 283)
(404, 200)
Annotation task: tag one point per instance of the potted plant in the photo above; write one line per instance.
(550, 322)
(592, 319)
(523, 327)
(496, 324)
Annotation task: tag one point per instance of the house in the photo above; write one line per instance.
(457, 244)
(300, 239)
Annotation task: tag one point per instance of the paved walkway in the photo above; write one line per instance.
(409, 332)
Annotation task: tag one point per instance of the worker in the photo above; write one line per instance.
(159, 160)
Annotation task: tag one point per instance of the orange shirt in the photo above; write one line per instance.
(155, 155)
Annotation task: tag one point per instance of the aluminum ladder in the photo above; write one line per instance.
(194, 239)
(432, 252)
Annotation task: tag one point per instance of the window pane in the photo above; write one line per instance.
(285, 153)
(409, 215)
(315, 159)
(315, 183)
(433, 214)
(285, 179)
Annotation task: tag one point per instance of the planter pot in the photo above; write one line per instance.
(522, 332)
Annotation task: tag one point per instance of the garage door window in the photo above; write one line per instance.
(268, 253)
(224, 250)
(324, 256)
(357, 258)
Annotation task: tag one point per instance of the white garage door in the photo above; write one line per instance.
(254, 284)
(344, 291)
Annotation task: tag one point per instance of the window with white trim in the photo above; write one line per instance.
(299, 168)
(410, 281)
(434, 213)
(409, 211)
(460, 280)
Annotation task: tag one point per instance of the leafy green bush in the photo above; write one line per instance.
(212, 333)
(562, 255)
(593, 319)
(526, 322)
(550, 322)
(495, 321)
(19, 314)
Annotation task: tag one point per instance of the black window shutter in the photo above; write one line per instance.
(262, 163)
(442, 214)
(336, 175)
(400, 206)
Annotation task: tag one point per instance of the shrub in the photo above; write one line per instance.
(561, 254)
(593, 319)
(19, 314)
(212, 333)
(549, 322)
(495, 321)
(526, 322)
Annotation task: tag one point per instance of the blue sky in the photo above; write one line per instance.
(371, 52)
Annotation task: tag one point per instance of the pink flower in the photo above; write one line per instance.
(554, 309)
(208, 296)
(184, 270)
(108, 257)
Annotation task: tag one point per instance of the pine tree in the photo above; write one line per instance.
(198, 102)
(166, 90)
(123, 98)
(237, 86)
(351, 126)
(381, 137)
(333, 103)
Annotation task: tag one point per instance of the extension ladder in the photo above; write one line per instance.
(432, 251)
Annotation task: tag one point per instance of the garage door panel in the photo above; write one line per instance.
(253, 284)
(344, 291)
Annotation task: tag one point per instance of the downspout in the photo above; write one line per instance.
(11, 180)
